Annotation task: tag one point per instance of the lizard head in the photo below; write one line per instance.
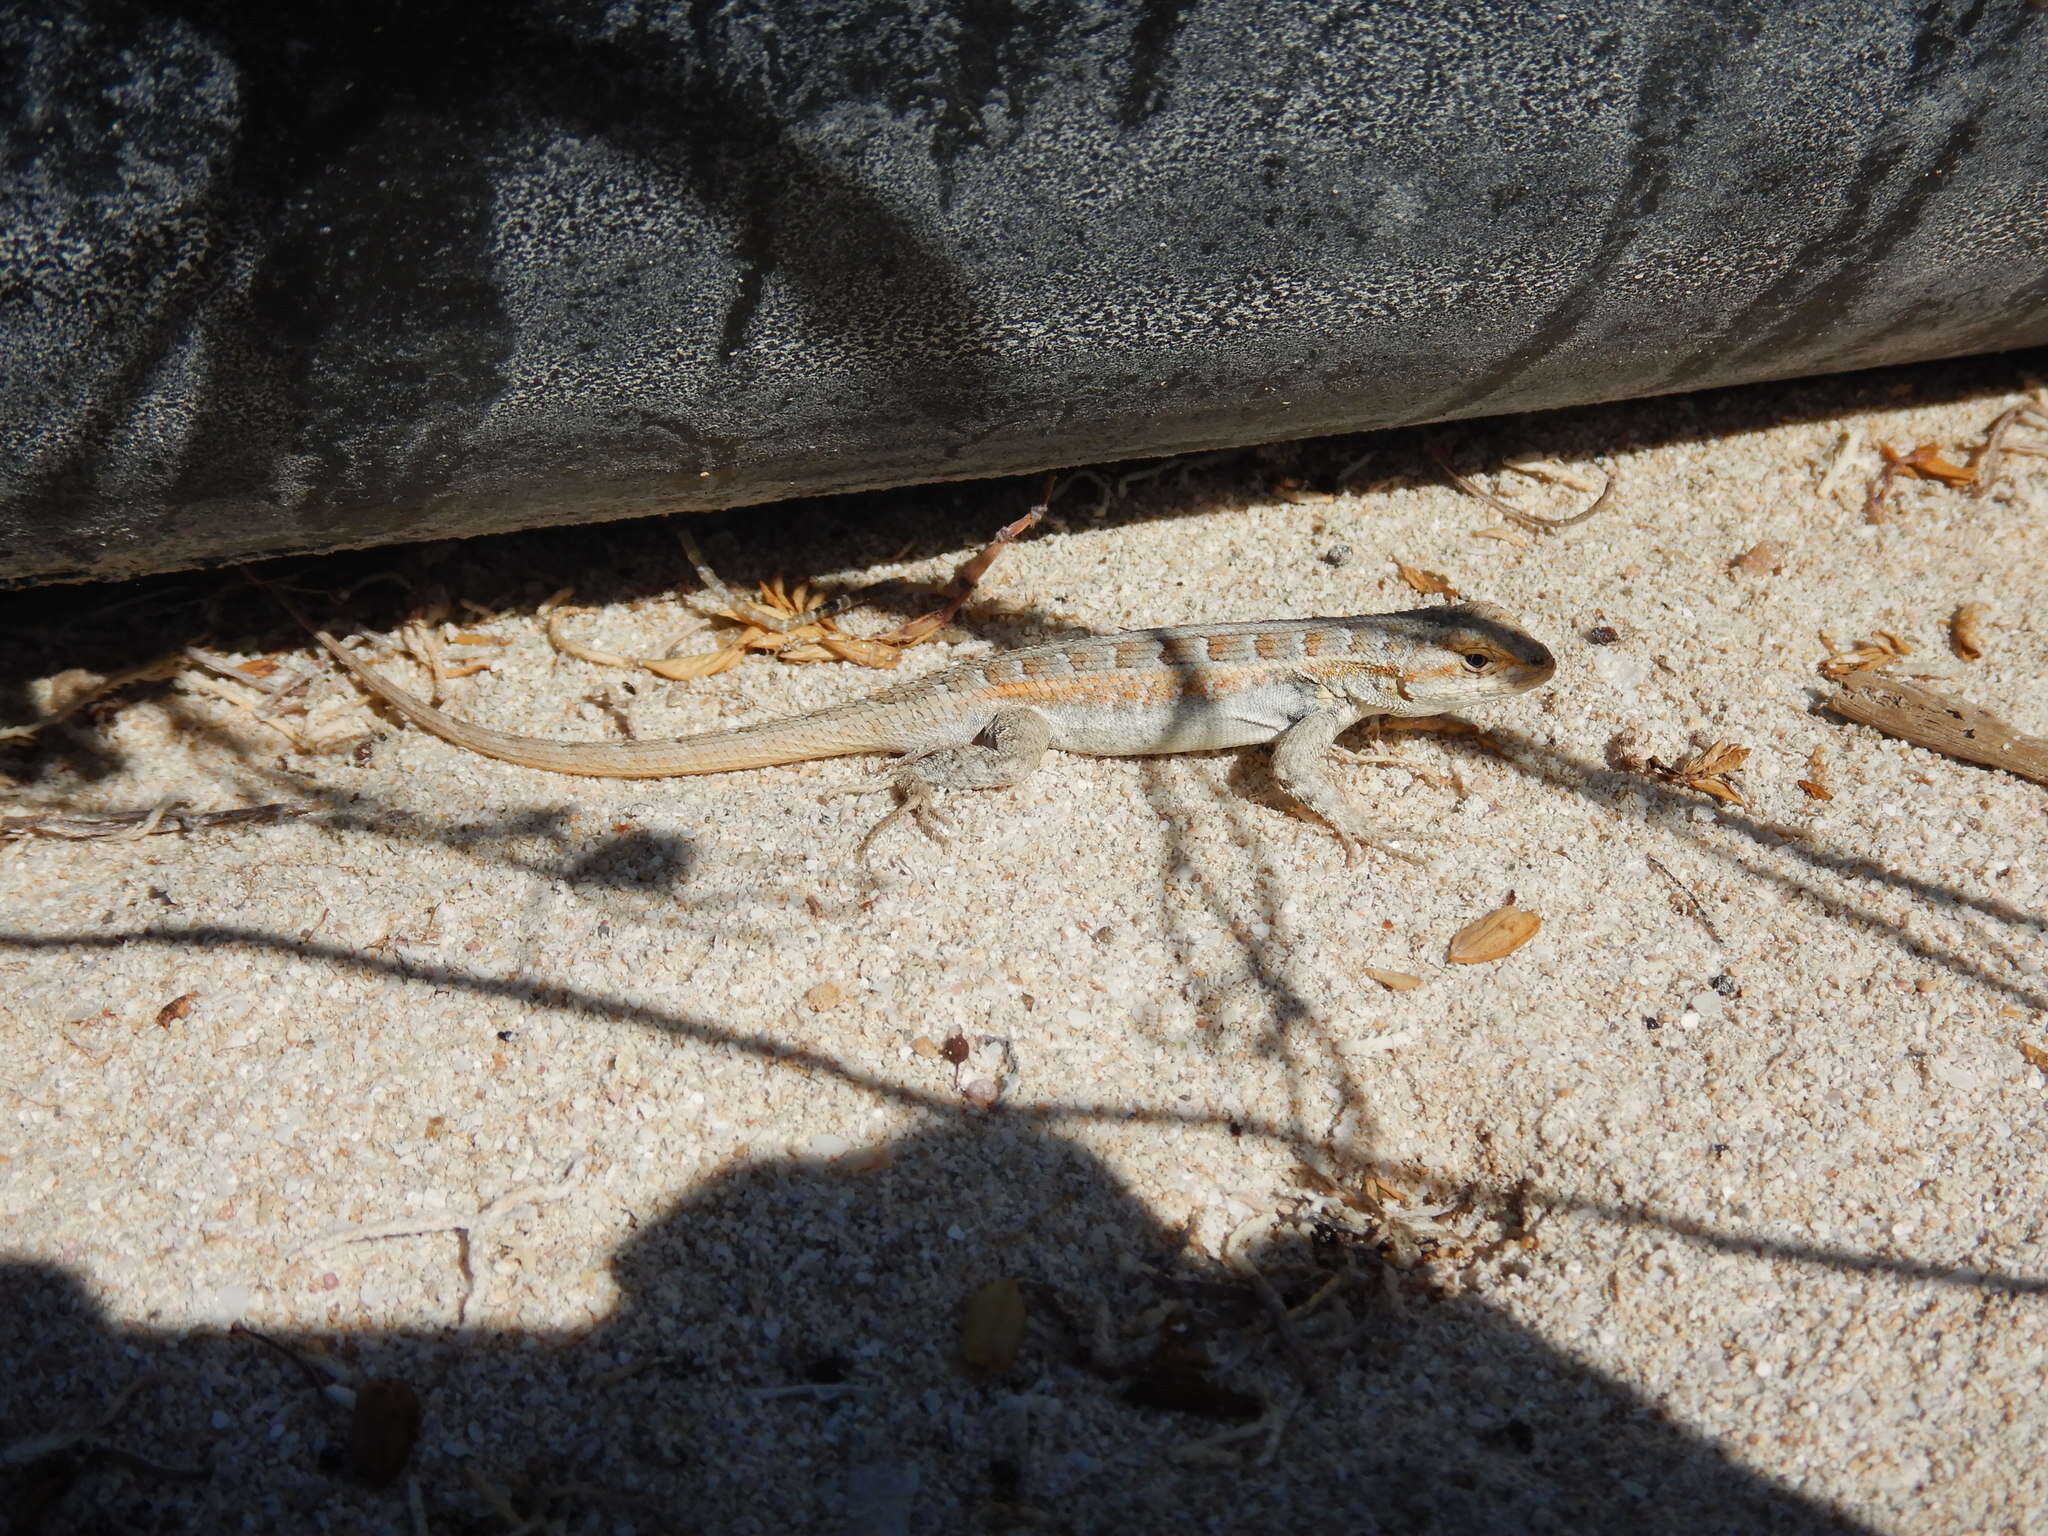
(1467, 654)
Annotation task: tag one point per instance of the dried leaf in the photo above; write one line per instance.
(382, 1430)
(262, 666)
(1815, 783)
(1965, 636)
(1926, 463)
(700, 664)
(1394, 981)
(992, 1332)
(804, 651)
(1706, 771)
(1495, 936)
(176, 1008)
(1887, 650)
(1428, 583)
(2034, 1054)
(866, 653)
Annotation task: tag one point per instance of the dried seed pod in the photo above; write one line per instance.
(1495, 936)
(1965, 633)
(992, 1332)
(1394, 981)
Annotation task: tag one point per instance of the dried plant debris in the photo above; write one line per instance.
(1966, 631)
(1705, 771)
(1493, 937)
(383, 1427)
(1926, 463)
(1428, 583)
(1990, 458)
(1692, 906)
(2034, 1054)
(74, 691)
(1951, 726)
(1394, 981)
(1922, 463)
(1520, 517)
(1846, 447)
(1553, 471)
(795, 626)
(472, 1231)
(1402, 1232)
(177, 1008)
(123, 825)
(1884, 651)
(1816, 781)
(45, 1468)
(1764, 558)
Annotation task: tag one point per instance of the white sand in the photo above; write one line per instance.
(1775, 1259)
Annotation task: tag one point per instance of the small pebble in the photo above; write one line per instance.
(1337, 555)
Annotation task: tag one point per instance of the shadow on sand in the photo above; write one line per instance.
(786, 1355)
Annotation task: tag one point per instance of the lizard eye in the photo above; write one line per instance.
(1477, 661)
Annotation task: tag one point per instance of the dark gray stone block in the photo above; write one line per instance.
(294, 278)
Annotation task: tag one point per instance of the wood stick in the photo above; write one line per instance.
(1942, 724)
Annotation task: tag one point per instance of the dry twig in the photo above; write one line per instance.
(1988, 460)
(148, 672)
(82, 826)
(1694, 906)
(1950, 726)
(1534, 522)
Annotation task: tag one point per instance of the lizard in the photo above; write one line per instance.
(987, 724)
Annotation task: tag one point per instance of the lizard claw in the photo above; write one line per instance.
(1355, 840)
(915, 801)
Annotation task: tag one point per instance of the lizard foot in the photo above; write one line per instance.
(1355, 836)
(914, 799)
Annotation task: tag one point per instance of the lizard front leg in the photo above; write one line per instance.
(1010, 748)
(1301, 762)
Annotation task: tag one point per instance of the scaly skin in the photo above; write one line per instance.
(987, 723)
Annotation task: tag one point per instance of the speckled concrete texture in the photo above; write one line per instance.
(335, 275)
(1718, 1207)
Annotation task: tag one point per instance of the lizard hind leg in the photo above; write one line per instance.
(1010, 748)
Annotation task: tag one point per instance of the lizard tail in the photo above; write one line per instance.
(749, 746)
